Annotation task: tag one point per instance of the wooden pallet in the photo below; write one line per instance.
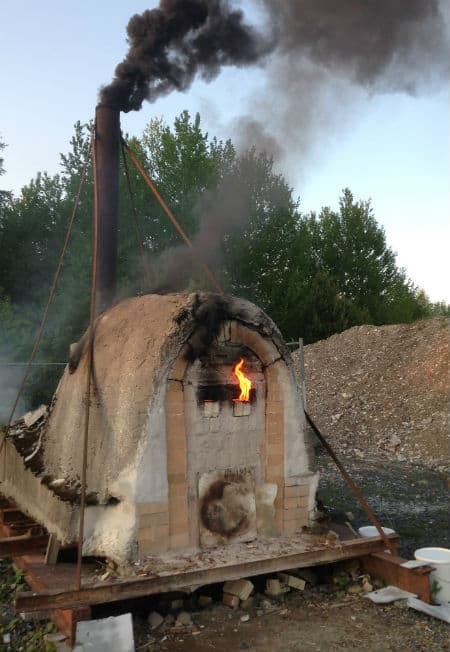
(27, 544)
(19, 534)
(164, 577)
(55, 593)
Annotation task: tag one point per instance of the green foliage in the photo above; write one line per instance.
(5, 195)
(21, 636)
(315, 274)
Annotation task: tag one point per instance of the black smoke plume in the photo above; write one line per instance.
(314, 54)
(328, 56)
(170, 45)
(364, 38)
(385, 44)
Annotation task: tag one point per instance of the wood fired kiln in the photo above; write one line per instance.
(175, 462)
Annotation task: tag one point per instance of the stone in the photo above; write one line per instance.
(230, 600)
(245, 618)
(241, 588)
(394, 441)
(204, 601)
(184, 618)
(155, 620)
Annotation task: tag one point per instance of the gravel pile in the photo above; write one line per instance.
(384, 391)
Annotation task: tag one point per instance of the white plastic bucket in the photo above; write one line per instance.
(371, 531)
(439, 558)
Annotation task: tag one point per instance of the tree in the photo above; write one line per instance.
(351, 247)
(314, 274)
(5, 195)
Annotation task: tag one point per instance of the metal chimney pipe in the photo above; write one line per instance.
(107, 153)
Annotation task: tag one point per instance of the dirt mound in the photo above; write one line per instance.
(384, 389)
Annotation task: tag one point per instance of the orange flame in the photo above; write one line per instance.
(245, 383)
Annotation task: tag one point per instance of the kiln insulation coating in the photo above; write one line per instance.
(166, 434)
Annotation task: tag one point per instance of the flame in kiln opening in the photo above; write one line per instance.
(245, 383)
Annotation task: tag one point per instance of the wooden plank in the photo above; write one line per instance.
(53, 548)
(11, 514)
(389, 568)
(22, 545)
(92, 594)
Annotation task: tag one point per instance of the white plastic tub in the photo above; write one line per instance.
(440, 577)
(371, 531)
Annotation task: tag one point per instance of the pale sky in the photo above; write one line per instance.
(391, 148)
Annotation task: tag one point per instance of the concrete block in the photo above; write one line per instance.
(155, 620)
(113, 634)
(211, 409)
(275, 588)
(241, 588)
(230, 600)
(241, 409)
(292, 581)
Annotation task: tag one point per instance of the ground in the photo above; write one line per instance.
(313, 622)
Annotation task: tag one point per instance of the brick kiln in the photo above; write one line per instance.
(176, 460)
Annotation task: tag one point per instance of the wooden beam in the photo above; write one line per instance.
(92, 594)
(389, 568)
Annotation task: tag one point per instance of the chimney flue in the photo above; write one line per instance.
(107, 151)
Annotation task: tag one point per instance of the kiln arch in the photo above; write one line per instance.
(182, 505)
